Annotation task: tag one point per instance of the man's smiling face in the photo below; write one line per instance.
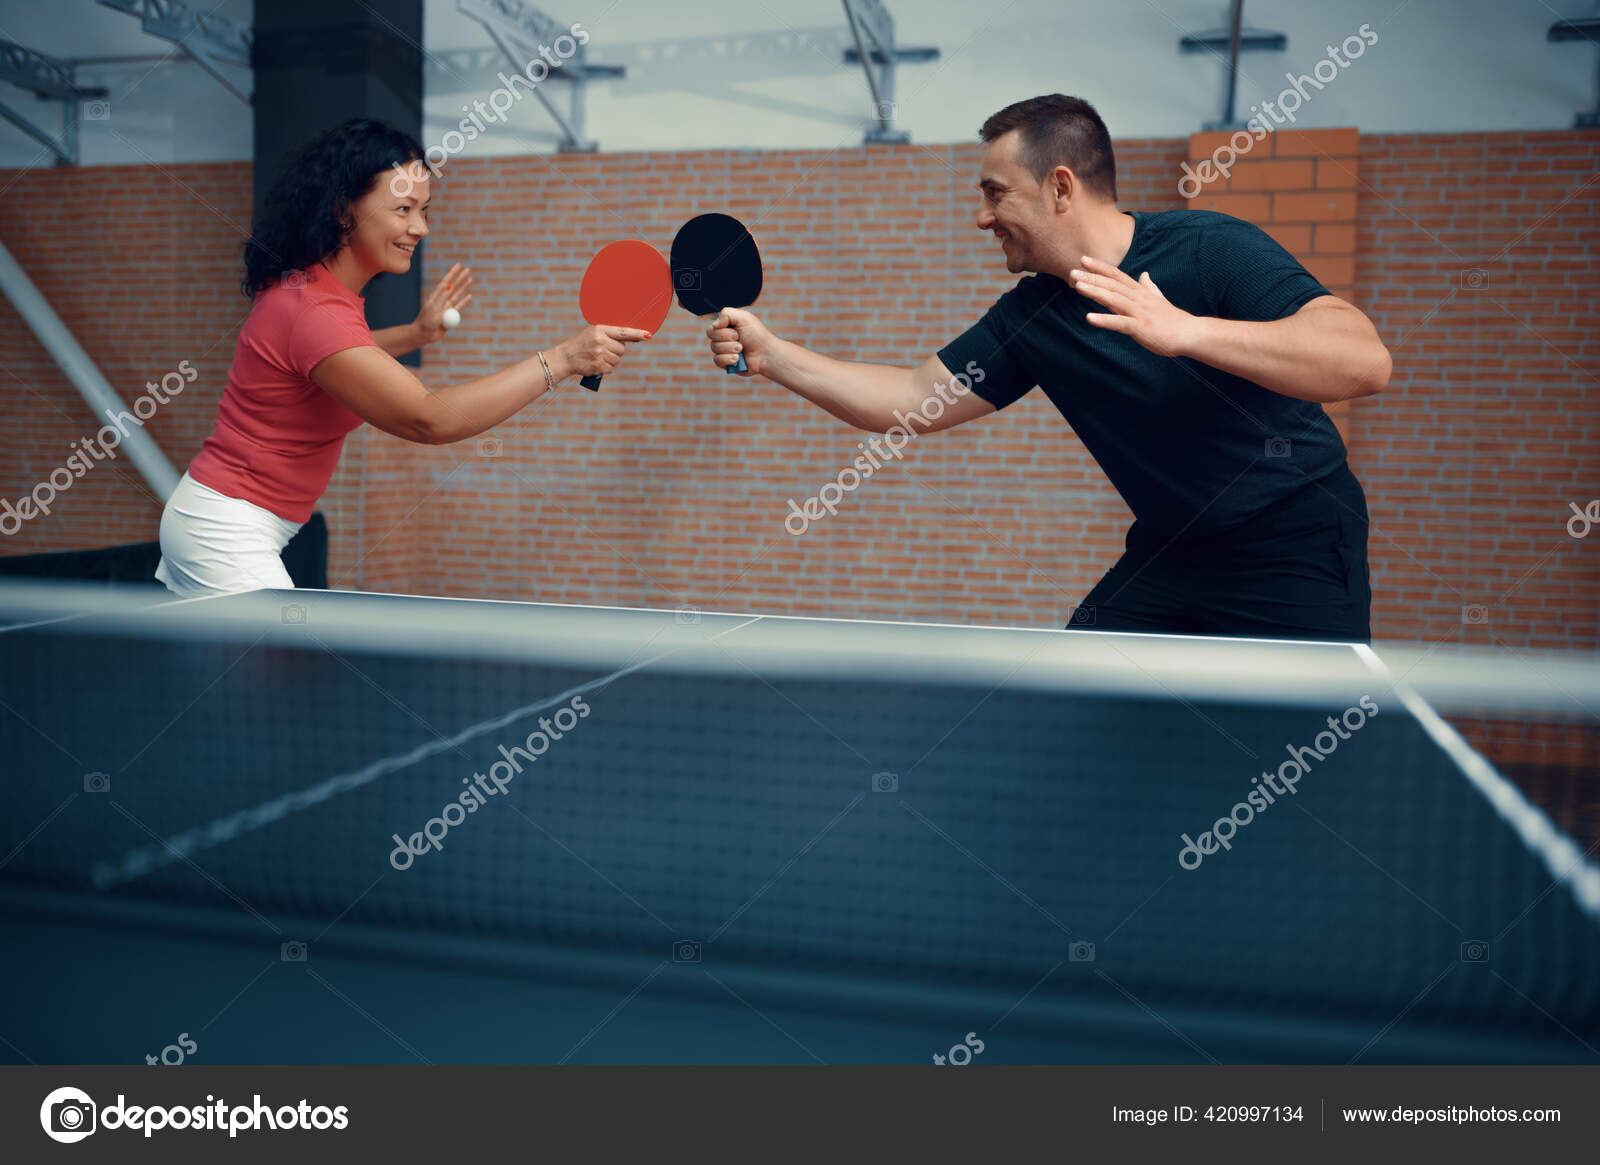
(1017, 208)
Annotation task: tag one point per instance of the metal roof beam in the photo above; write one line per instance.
(206, 38)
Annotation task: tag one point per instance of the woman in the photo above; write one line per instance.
(306, 371)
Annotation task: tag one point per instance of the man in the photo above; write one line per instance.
(1190, 353)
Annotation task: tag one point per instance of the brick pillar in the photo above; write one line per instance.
(1298, 185)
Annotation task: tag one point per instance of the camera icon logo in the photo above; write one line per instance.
(885, 782)
(686, 278)
(1474, 279)
(292, 279)
(294, 613)
(490, 447)
(293, 952)
(97, 111)
(885, 110)
(1473, 613)
(1475, 950)
(96, 783)
(686, 951)
(67, 1115)
(1083, 616)
(1081, 952)
(687, 615)
(1278, 447)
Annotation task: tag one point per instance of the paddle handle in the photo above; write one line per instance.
(738, 365)
(592, 383)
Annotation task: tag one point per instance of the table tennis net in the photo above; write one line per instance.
(915, 829)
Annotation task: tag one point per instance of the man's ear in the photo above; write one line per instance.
(1063, 185)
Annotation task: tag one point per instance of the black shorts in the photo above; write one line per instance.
(1297, 570)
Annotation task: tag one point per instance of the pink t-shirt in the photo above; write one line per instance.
(278, 435)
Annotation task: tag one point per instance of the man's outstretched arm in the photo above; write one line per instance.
(1327, 351)
(872, 397)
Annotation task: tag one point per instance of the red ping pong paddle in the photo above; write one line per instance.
(627, 285)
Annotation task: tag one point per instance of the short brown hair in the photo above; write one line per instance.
(1056, 130)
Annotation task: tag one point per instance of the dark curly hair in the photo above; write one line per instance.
(306, 214)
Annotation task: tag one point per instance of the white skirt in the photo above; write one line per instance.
(212, 544)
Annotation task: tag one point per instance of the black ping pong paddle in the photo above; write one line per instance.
(715, 264)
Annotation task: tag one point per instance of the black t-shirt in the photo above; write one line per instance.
(1193, 450)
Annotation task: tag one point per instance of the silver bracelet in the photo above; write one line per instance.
(549, 381)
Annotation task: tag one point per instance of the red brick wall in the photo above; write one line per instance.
(670, 486)
(1492, 427)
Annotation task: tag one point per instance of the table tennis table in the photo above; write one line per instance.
(321, 827)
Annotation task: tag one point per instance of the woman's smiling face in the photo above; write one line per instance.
(389, 221)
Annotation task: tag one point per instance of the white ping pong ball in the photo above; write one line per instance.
(452, 318)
